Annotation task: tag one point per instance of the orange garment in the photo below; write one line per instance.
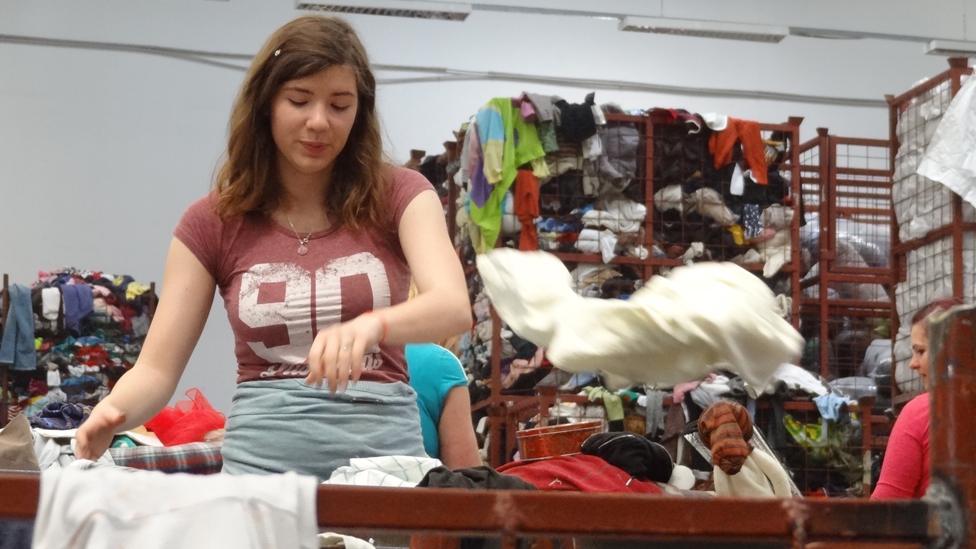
(527, 208)
(753, 150)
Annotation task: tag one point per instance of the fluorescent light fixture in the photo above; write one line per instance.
(955, 48)
(705, 29)
(447, 11)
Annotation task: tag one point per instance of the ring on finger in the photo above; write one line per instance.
(346, 347)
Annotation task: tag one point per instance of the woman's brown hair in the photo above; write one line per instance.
(934, 306)
(248, 180)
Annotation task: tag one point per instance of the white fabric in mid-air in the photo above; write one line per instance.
(676, 328)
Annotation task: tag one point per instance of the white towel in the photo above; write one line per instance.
(708, 202)
(674, 329)
(105, 507)
(603, 242)
(761, 476)
(775, 253)
(669, 198)
(621, 216)
(50, 303)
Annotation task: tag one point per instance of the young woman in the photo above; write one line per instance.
(905, 471)
(311, 240)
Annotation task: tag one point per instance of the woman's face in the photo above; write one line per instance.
(920, 352)
(311, 118)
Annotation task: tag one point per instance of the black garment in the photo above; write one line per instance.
(563, 194)
(433, 170)
(523, 347)
(478, 391)
(693, 412)
(576, 120)
(679, 156)
(775, 431)
(753, 193)
(642, 458)
(525, 383)
(673, 227)
(613, 288)
(474, 478)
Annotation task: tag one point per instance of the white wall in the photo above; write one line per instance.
(100, 151)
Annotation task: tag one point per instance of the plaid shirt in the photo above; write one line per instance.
(201, 458)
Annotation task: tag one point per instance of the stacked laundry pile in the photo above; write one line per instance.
(72, 334)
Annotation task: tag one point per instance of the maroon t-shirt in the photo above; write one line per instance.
(277, 300)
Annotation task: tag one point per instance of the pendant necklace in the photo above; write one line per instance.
(302, 240)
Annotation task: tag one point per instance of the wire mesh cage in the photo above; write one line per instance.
(933, 238)
(593, 209)
(826, 457)
(845, 315)
(848, 209)
(708, 208)
(847, 288)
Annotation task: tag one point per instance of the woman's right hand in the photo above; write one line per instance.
(337, 352)
(96, 433)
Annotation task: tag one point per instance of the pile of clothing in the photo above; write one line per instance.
(537, 165)
(707, 205)
(69, 337)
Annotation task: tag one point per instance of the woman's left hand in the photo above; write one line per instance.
(337, 352)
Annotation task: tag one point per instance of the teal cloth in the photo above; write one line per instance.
(17, 344)
(434, 371)
(122, 441)
(284, 425)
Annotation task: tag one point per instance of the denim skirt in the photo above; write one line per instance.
(287, 425)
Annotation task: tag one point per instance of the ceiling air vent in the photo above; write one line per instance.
(705, 29)
(446, 11)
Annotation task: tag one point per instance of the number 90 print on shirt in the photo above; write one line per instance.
(285, 294)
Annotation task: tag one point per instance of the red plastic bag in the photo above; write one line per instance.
(188, 421)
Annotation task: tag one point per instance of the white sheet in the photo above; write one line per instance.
(951, 156)
(674, 329)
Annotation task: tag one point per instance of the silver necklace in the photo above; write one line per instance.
(302, 240)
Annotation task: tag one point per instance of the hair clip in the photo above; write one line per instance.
(277, 52)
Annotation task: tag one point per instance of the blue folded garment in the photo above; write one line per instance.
(60, 416)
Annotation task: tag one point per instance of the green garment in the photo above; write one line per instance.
(521, 146)
(613, 403)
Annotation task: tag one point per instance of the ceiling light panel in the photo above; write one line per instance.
(445, 11)
(951, 48)
(705, 29)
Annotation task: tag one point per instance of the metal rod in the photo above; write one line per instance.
(824, 246)
(931, 83)
(4, 381)
(532, 513)
(952, 359)
(793, 125)
(945, 231)
(496, 410)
